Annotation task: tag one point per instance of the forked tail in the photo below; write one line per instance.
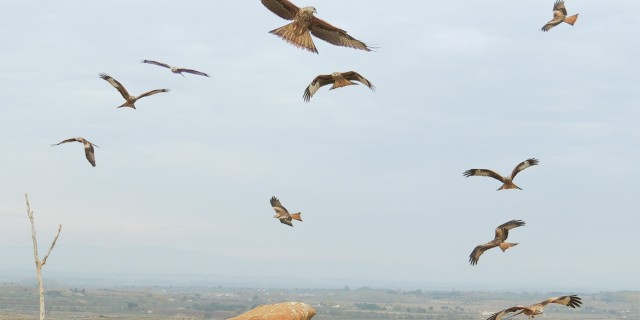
(506, 245)
(572, 19)
(296, 35)
(296, 216)
(127, 105)
(509, 185)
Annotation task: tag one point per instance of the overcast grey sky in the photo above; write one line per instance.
(182, 185)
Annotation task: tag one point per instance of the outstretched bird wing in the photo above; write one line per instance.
(523, 165)
(336, 36)
(502, 231)
(89, 153)
(283, 8)
(479, 250)
(319, 81)
(354, 76)
(116, 85)
(68, 140)
(500, 314)
(277, 206)
(484, 173)
(157, 63)
(152, 92)
(569, 301)
(192, 71)
(286, 220)
(559, 6)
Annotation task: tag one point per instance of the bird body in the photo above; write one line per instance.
(282, 213)
(572, 301)
(501, 234)
(298, 32)
(559, 16)
(507, 182)
(337, 79)
(130, 99)
(88, 148)
(176, 69)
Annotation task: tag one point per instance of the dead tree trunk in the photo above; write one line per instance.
(39, 263)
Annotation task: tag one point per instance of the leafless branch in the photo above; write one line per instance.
(44, 261)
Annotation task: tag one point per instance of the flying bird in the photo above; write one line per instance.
(507, 183)
(502, 232)
(559, 16)
(88, 148)
(304, 22)
(338, 79)
(130, 99)
(572, 301)
(176, 69)
(282, 213)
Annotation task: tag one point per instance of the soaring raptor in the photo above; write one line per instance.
(572, 301)
(176, 69)
(304, 22)
(338, 79)
(88, 148)
(282, 213)
(130, 99)
(507, 182)
(559, 16)
(502, 232)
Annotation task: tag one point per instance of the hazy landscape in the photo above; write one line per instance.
(172, 302)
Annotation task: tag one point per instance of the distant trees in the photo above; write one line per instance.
(368, 306)
(39, 263)
(76, 290)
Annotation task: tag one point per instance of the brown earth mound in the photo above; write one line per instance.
(279, 311)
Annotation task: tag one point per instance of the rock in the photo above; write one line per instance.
(279, 311)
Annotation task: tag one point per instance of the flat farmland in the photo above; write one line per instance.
(20, 302)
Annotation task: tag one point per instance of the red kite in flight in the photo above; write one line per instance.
(502, 232)
(88, 148)
(507, 183)
(338, 79)
(282, 213)
(176, 69)
(559, 16)
(131, 100)
(572, 301)
(297, 32)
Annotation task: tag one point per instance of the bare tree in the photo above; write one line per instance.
(39, 263)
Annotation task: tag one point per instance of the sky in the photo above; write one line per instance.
(182, 184)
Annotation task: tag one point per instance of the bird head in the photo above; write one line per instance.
(310, 9)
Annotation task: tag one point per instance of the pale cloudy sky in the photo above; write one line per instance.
(182, 185)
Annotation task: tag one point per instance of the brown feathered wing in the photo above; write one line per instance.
(312, 88)
(157, 63)
(196, 72)
(572, 301)
(125, 94)
(283, 8)
(523, 165)
(152, 92)
(336, 36)
(500, 314)
(354, 76)
(484, 173)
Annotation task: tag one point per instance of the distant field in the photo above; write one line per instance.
(19, 302)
